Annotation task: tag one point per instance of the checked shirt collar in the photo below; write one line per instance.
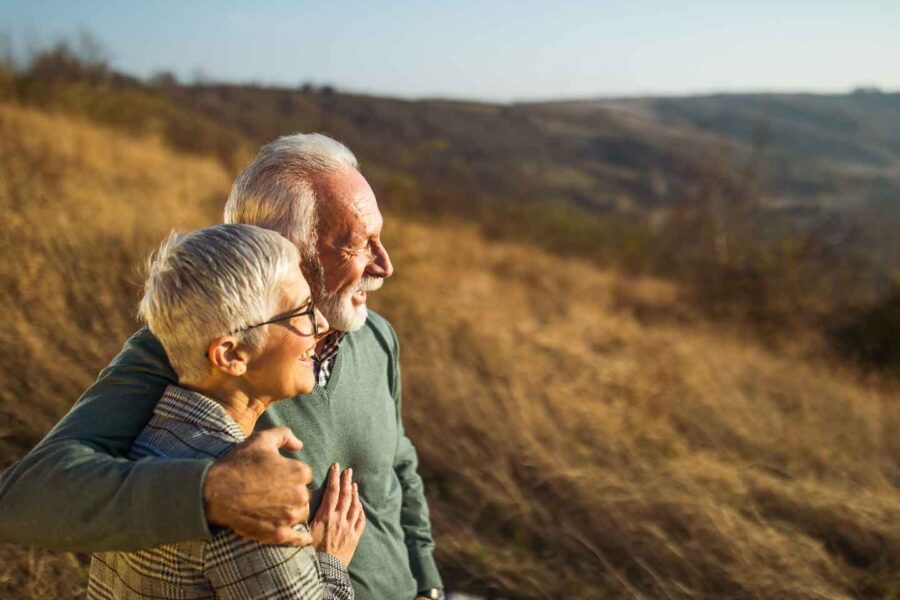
(324, 358)
(199, 411)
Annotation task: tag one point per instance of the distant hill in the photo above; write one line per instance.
(809, 161)
(598, 159)
(721, 190)
(629, 157)
(838, 151)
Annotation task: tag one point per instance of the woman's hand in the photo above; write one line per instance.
(340, 520)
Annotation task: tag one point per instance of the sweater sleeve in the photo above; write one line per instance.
(76, 490)
(414, 518)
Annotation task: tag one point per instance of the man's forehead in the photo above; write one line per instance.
(348, 203)
(364, 220)
(366, 208)
(344, 185)
(361, 204)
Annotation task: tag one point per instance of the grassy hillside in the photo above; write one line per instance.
(582, 434)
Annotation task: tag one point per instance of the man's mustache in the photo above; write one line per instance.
(370, 284)
(366, 284)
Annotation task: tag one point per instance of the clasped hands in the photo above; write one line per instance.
(261, 495)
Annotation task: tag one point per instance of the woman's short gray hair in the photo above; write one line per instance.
(275, 191)
(212, 282)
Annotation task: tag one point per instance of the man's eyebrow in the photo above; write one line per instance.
(351, 234)
(355, 238)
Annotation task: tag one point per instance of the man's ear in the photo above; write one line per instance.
(227, 355)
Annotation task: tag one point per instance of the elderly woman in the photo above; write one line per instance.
(231, 307)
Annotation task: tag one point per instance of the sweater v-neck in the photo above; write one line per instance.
(335, 374)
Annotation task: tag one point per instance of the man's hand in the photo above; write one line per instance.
(340, 520)
(259, 493)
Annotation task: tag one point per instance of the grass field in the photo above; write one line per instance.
(582, 434)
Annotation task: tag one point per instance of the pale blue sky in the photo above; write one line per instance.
(500, 50)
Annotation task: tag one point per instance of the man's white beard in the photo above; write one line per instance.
(340, 311)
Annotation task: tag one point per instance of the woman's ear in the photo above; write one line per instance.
(226, 354)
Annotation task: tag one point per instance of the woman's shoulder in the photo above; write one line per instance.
(186, 425)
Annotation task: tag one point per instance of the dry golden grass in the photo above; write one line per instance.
(631, 460)
(572, 448)
(81, 206)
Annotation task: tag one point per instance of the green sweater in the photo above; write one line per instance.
(76, 490)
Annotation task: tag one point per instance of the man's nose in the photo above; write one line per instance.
(381, 265)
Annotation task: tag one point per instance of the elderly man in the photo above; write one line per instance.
(77, 491)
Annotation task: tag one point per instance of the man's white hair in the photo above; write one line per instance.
(213, 282)
(275, 191)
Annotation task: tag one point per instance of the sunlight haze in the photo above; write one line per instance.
(497, 51)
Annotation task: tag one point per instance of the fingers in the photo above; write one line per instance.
(278, 437)
(288, 536)
(346, 491)
(303, 538)
(300, 512)
(338, 495)
(284, 535)
(357, 514)
(353, 512)
(355, 507)
(332, 489)
(303, 475)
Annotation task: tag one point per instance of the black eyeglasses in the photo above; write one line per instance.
(309, 311)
